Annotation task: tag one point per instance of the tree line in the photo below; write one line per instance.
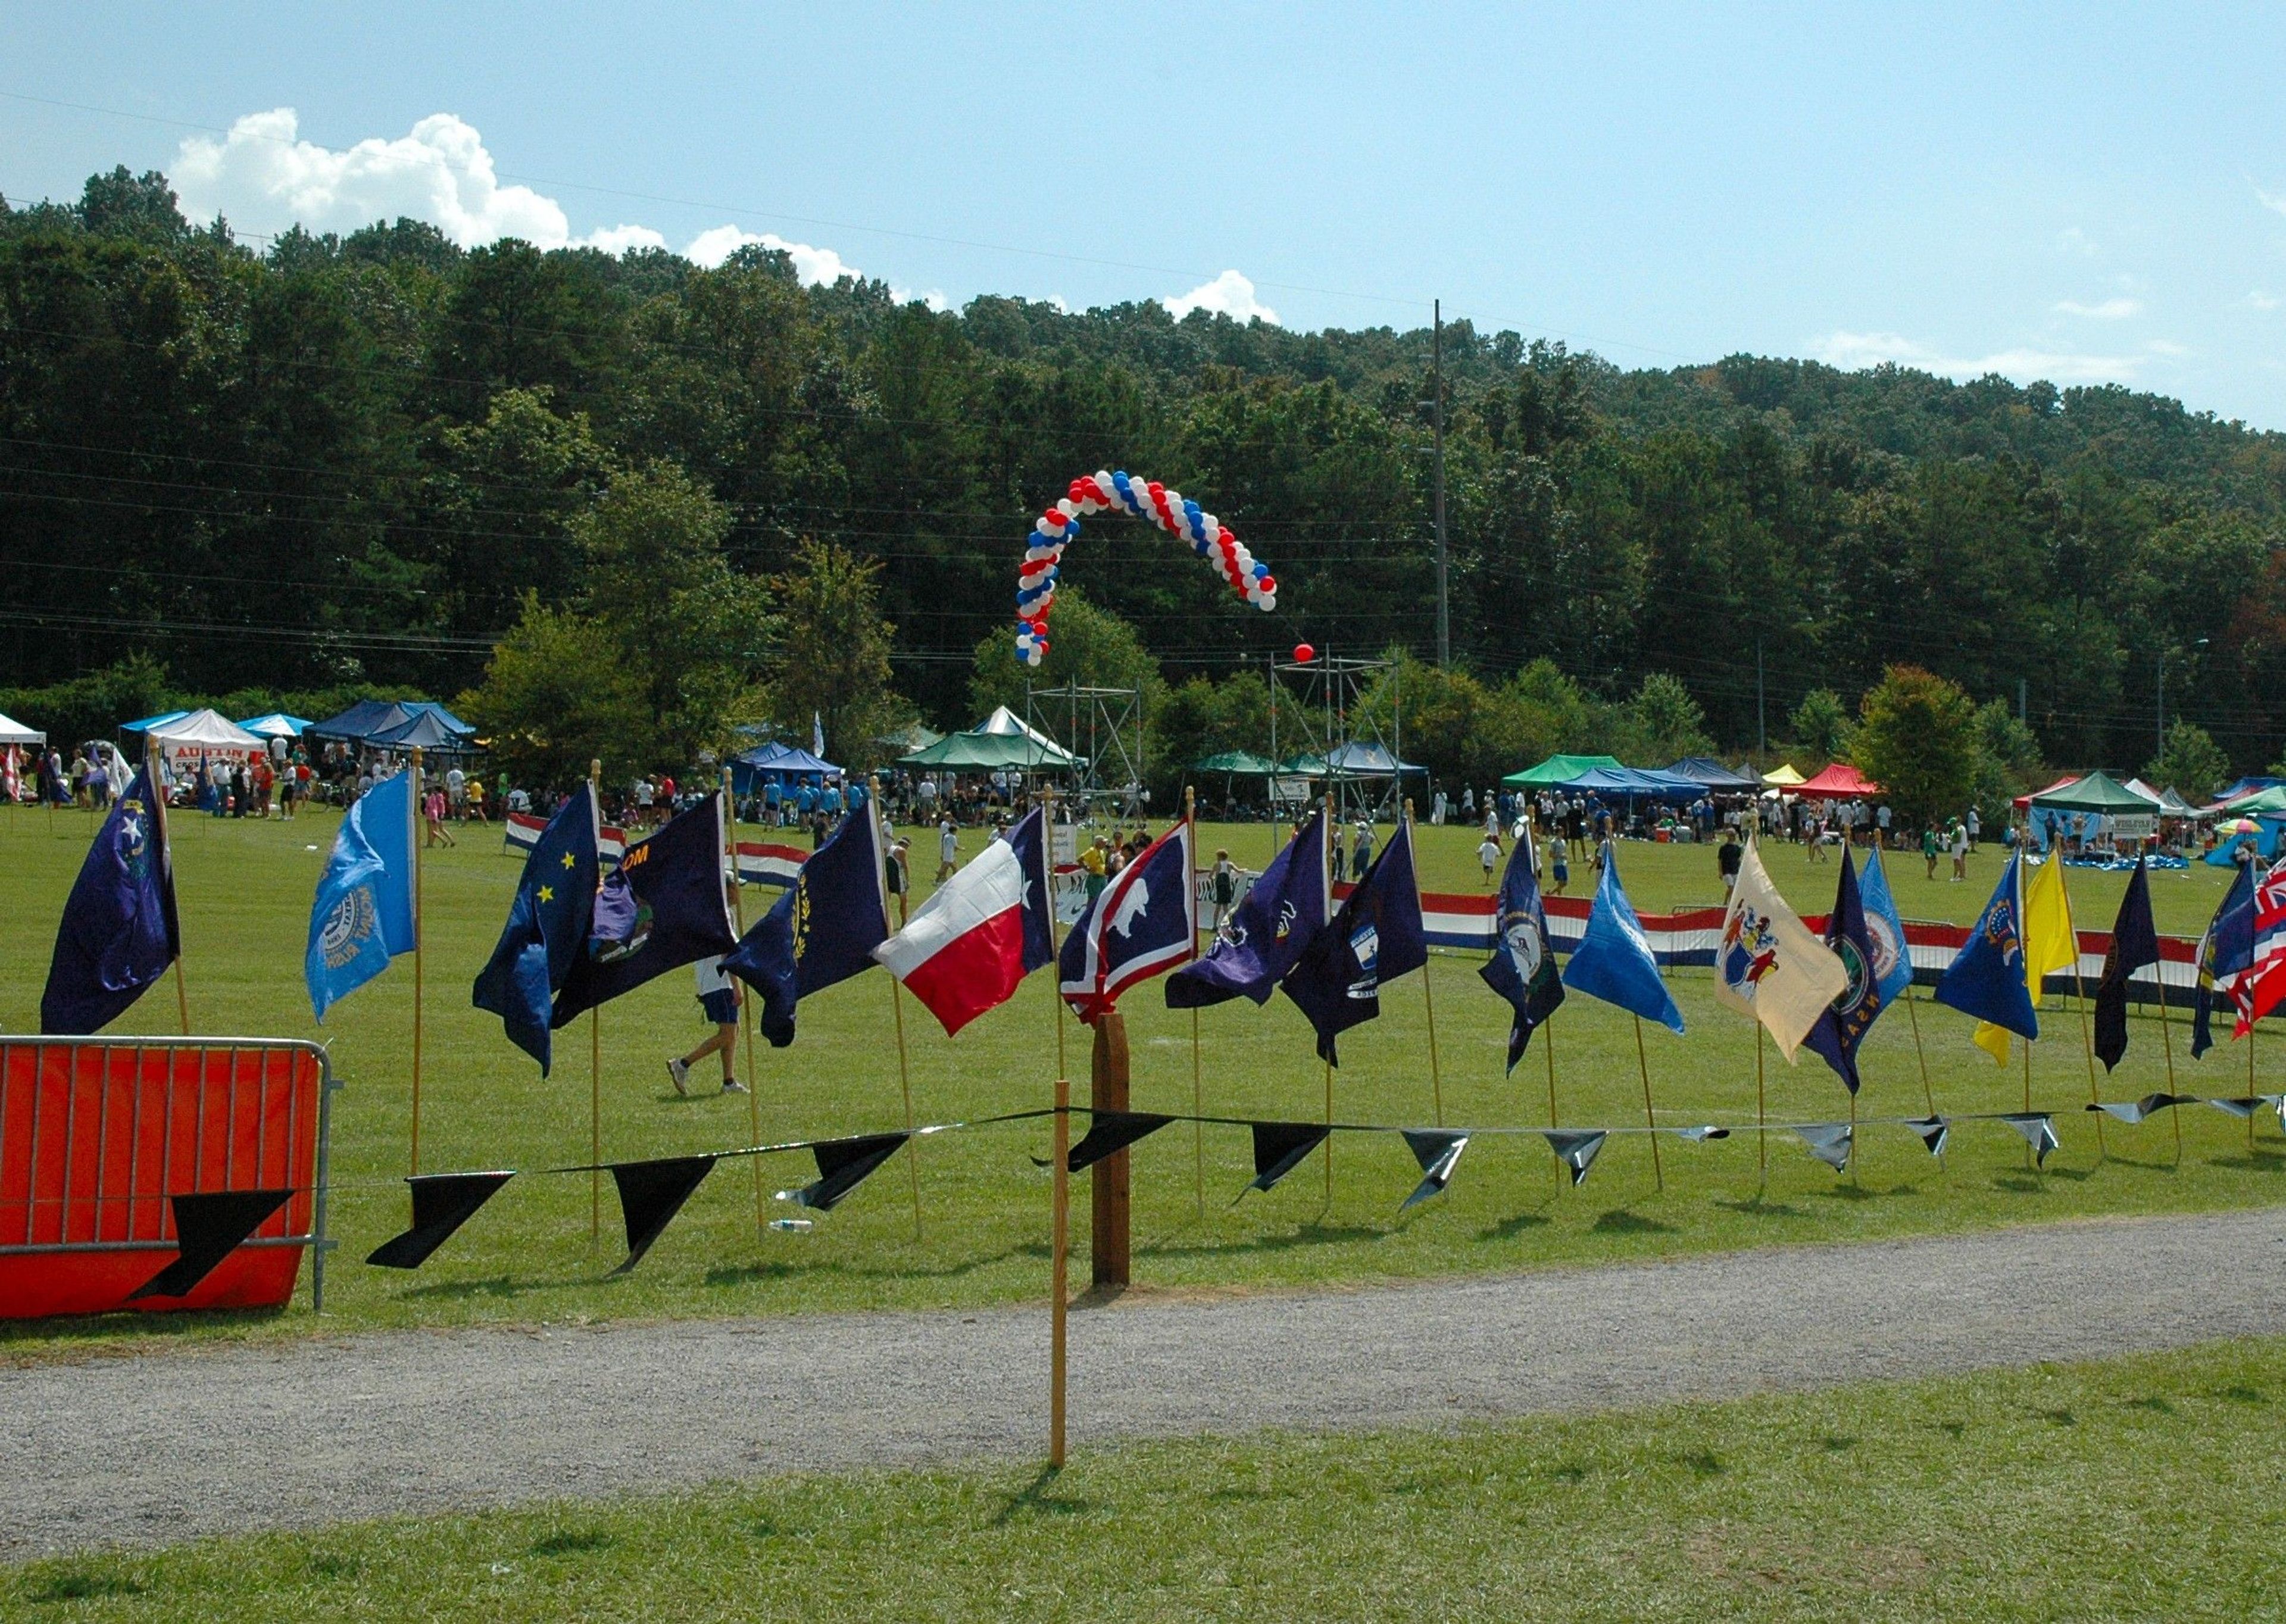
(635, 498)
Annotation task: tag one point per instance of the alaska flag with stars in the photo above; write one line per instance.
(547, 928)
(821, 931)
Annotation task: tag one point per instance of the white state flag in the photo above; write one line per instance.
(1768, 964)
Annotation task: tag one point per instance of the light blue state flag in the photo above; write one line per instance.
(362, 916)
(1893, 959)
(1613, 961)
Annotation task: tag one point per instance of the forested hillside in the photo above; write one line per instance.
(303, 464)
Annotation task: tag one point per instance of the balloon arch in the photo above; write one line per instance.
(1102, 493)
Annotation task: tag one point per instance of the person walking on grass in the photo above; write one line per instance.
(1488, 854)
(1362, 858)
(1960, 847)
(1728, 857)
(718, 999)
(1223, 887)
(433, 815)
(1931, 849)
(1559, 863)
(948, 849)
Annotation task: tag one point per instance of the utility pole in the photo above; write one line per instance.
(1762, 715)
(1437, 379)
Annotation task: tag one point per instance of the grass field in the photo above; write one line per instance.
(2146, 1487)
(246, 888)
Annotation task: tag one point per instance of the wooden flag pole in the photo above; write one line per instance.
(897, 1004)
(413, 846)
(1198, 1088)
(2028, 1096)
(155, 769)
(1055, 994)
(2086, 1033)
(745, 1004)
(1058, 1256)
(2249, 1082)
(1642, 1063)
(1762, 1103)
(596, 1041)
(2167, 1037)
(1427, 998)
(1325, 867)
(1547, 1044)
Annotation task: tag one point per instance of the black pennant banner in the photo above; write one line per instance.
(208, 1229)
(1439, 1152)
(1575, 1148)
(2240, 1107)
(650, 1194)
(441, 1203)
(2040, 1133)
(1700, 1134)
(1113, 1130)
(842, 1165)
(1279, 1147)
(1828, 1141)
(2133, 1111)
(1932, 1131)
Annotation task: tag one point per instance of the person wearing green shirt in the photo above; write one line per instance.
(1929, 848)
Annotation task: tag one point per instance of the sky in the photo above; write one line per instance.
(2082, 193)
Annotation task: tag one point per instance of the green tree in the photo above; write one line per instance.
(691, 634)
(1664, 723)
(831, 660)
(2192, 764)
(2007, 762)
(1916, 737)
(556, 695)
(1820, 725)
(1087, 645)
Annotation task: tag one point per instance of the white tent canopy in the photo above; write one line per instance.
(1006, 723)
(206, 731)
(14, 732)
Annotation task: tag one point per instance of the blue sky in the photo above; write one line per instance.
(2074, 193)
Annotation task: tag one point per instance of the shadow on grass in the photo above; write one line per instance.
(462, 1291)
(1306, 1234)
(750, 1274)
(2142, 1166)
(2156, 1405)
(572, 1544)
(62, 1331)
(1759, 1205)
(1038, 1496)
(2253, 1162)
(1619, 1221)
(1508, 1228)
(77, 1585)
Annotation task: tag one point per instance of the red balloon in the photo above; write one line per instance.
(1304, 654)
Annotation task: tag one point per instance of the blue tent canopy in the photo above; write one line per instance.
(1710, 774)
(277, 724)
(361, 720)
(776, 762)
(146, 723)
(1632, 781)
(429, 708)
(1356, 761)
(421, 730)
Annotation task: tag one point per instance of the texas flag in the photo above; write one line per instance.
(967, 947)
(1145, 921)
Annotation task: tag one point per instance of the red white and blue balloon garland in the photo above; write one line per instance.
(1170, 510)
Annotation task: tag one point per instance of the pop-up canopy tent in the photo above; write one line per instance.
(978, 752)
(1714, 776)
(1838, 780)
(143, 724)
(1555, 770)
(204, 733)
(2253, 784)
(775, 763)
(14, 732)
(2097, 792)
(1631, 781)
(2259, 803)
(1005, 722)
(1782, 776)
(1241, 763)
(423, 730)
(277, 724)
(1359, 761)
(360, 721)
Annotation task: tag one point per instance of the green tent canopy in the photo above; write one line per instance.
(1304, 766)
(2097, 792)
(1245, 762)
(1556, 769)
(2272, 800)
(984, 752)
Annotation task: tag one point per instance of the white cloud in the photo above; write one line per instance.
(2108, 310)
(2259, 300)
(2271, 200)
(2072, 239)
(264, 178)
(1228, 295)
(1854, 350)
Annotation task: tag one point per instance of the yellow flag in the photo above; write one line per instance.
(2050, 945)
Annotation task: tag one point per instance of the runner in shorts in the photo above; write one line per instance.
(718, 996)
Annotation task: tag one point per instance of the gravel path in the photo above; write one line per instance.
(167, 1447)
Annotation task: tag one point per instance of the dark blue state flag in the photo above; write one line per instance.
(1522, 968)
(119, 932)
(823, 930)
(1851, 1014)
(1986, 978)
(2226, 952)
(1144, 922)
(662, 908)
(547, 928)
(1375, 938)
(1267, 931)
(2134, 943)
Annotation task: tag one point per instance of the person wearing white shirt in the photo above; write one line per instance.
(718, 999)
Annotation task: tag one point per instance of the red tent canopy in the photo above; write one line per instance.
(2024, 802)
(1837, 782)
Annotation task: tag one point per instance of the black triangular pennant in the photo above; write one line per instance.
(842, 1165)
(2040, 1133)
(441, 1203)
(1575, 1148)
(1113, 1130)
(1828, 1141)
(2129, 1111)
(208, 1229)
(1932, 1131)
(1438, 1152)
(1279, 1147)
(650, 1194)
(2241, 1106)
